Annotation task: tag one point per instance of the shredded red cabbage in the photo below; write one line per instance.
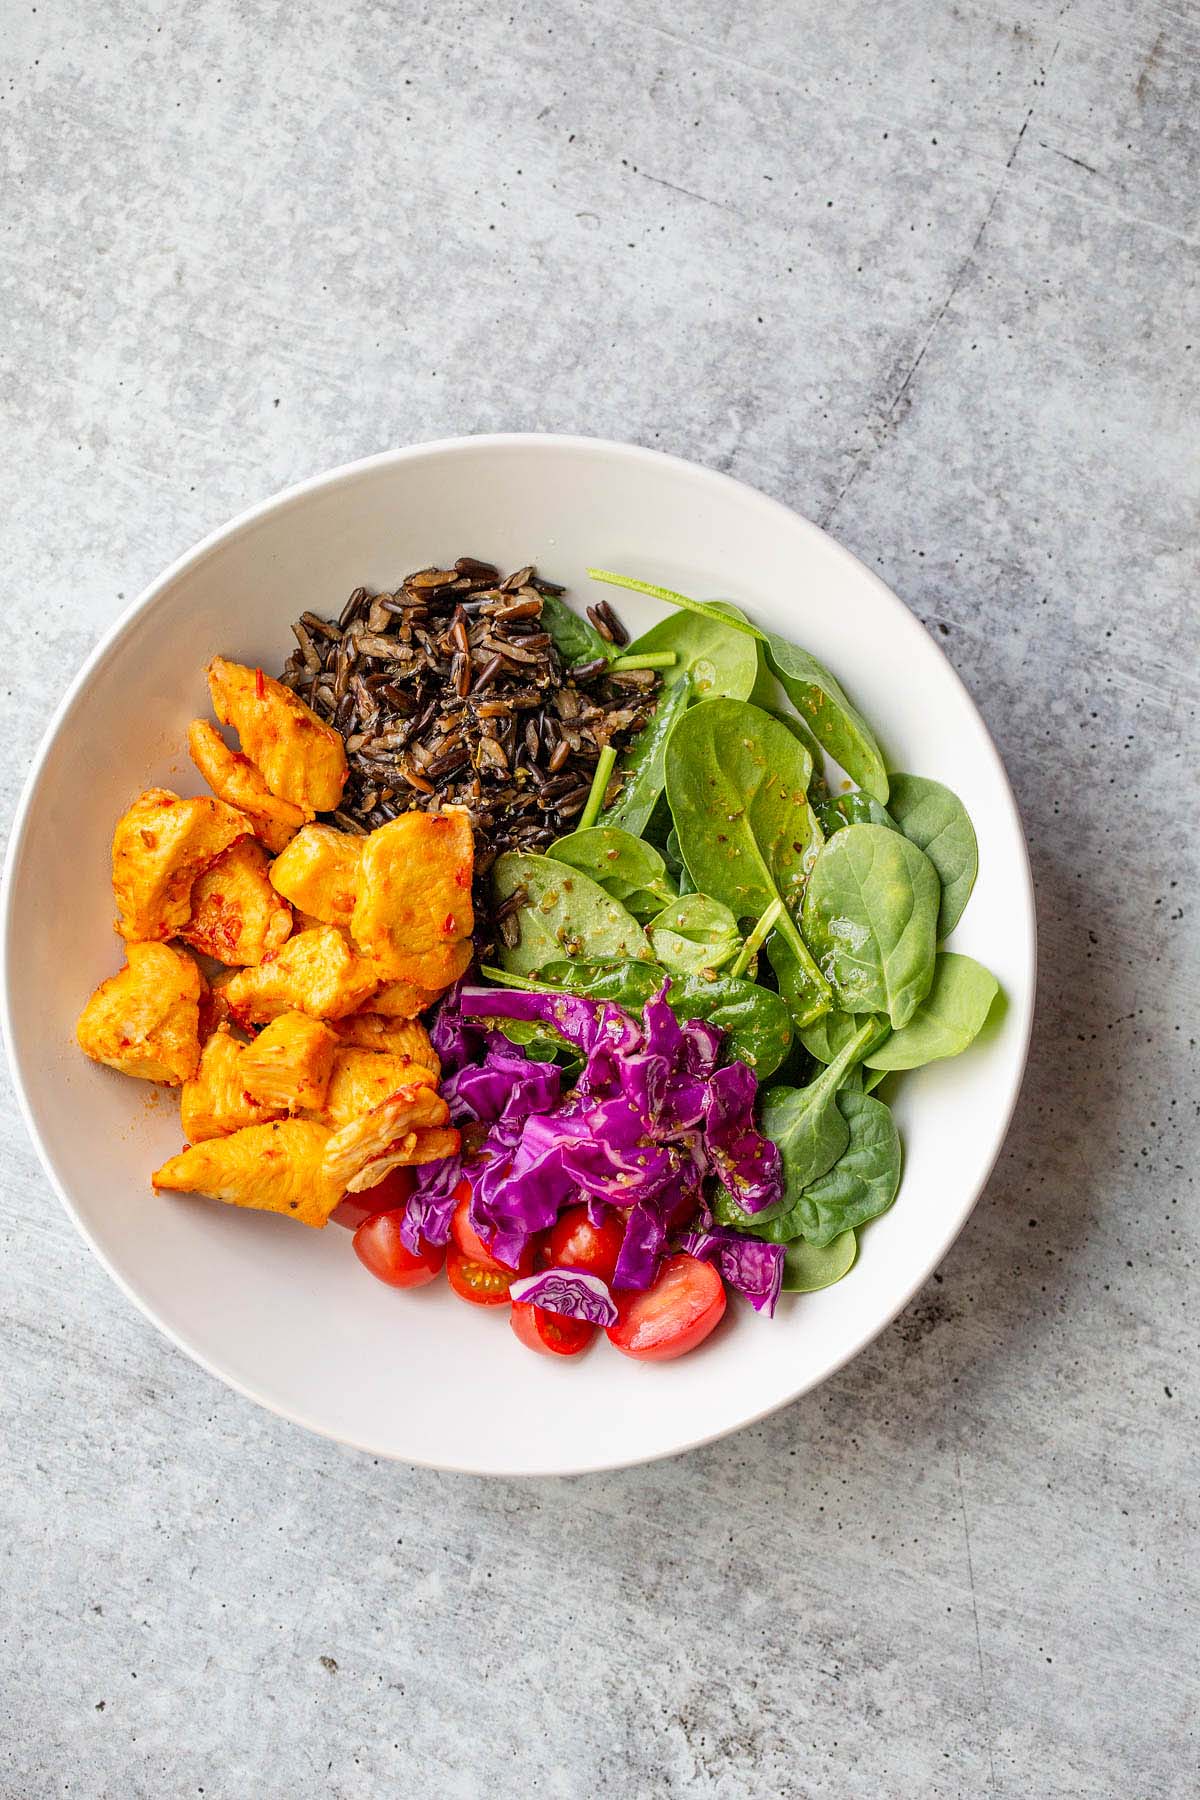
(570, 1292)
(754, 1268)
(650, 1118)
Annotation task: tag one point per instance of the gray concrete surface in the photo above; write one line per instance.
(927, 273)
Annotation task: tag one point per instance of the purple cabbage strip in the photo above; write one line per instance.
(748, 1163)
(568, 1292)
(431, 1207)
(755, 1269)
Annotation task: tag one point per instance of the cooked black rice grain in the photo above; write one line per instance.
(448, 692)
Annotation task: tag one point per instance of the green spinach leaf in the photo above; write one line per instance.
(574, 638)
(693, 934)
(937, 822)
(737, 783)
(807, 1268)
(861, 1184)
(837, 726)
(807, 1124)
(642, 764)
(564, 914)
(623, 865)
(870, 917)
(950, 1017)
(716, 658)
(856, 808)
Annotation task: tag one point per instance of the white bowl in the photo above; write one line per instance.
(286, 1315)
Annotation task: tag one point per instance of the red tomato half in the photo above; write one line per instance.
(575, 1243)
(378, 1247)
(392, 1192)
(550, 1333)
(472, 1246)
(475, 1281)
(672, 1317)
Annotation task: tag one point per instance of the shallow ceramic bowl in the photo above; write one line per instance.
(287, 1316)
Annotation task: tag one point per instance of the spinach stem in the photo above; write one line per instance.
(605, 764)
(674, 599)
(645, 659)
(503, 979)
(758, 936)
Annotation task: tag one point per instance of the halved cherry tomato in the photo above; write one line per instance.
(672, 1317)
(575, 1243)
(475, 1281)
(392, 1192)
(550, 1333)
(378, 1247)
(468, 1240)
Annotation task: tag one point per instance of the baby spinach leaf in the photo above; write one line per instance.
(718, 659)
(830, 1034)
(806, 994)
(643, 903)
(693, 934)
(837, 726)
(563, 914)
(856, 808)
(808, 1126)
(574, 638)
(737, 784)
(540, 1042)
(618, 862)
(870, 917)
(642, 763)
(626, 983)
(861, 1184)
(937, 822)
(807, 1268)
(949, 1018)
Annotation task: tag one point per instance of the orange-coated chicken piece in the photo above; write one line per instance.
(214, 1005)
(316, 972)
(419, 1146)
(402, 999)
(234, 779)
(363, 1079)
(277, 1168)
(215, 1102)
(395, 1129)
(400, 1037)
(237, 917)
(429, 971)
(318, 872)
(300, 758)
(289, 1064)
(160, 847)
(414, 894)
(145, 1021)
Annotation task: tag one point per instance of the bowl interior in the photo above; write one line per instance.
(286, 1314)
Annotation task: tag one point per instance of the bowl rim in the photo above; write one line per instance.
(345, 473)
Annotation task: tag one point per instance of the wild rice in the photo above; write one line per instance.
(449, 692)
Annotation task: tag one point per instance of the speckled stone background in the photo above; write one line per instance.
(927, 273)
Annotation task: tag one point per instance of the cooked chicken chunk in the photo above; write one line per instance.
(214, 1004)
(316, 972)
(431, 971)
(160, 847)
(318, 872)
(401, 1037)
(277, 1168)
(418, 1147)
(237, 917)
(145, 1020)
(300, 758)
(414, 893)
(390, 1128)
(215, 1102)
(362, 1079)
(402, 999)
(289, 1064)
(234, 779)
